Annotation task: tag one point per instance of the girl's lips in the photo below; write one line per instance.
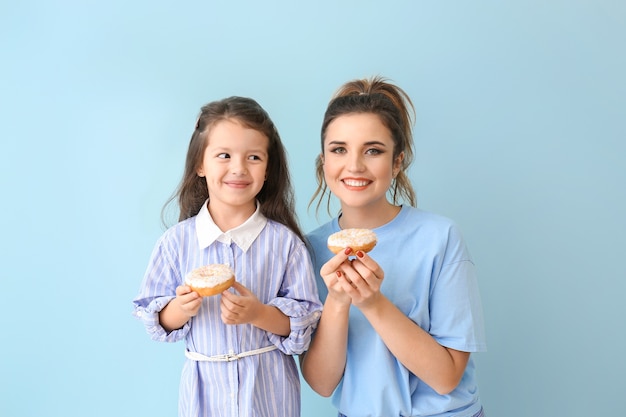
(237, 184)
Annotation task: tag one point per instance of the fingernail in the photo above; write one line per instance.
(360, 254)
(348, 251)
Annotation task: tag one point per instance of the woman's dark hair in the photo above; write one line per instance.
(393, 106)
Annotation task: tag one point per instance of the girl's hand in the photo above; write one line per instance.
(362, 278)
(333, 277)
(240, 309)
(187, 301)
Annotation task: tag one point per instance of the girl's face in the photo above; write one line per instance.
(234, 165)
(358, 160)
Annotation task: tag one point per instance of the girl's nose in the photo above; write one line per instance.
(238, 167)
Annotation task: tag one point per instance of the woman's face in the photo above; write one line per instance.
(358, 160)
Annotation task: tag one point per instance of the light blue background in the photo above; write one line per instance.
(520, 138)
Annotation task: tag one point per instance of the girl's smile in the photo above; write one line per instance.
(237, 184)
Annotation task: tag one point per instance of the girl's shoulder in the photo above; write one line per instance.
(281, 231)
(179, 230)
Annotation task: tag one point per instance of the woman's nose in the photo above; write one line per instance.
(355, 163)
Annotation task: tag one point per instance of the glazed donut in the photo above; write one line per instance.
(211, 279)
(357, 239)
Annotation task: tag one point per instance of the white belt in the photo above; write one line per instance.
(227, 357)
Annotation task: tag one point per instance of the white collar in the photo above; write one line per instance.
(243, 235)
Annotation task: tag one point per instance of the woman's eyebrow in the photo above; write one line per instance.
(368, 143)
(375, 142)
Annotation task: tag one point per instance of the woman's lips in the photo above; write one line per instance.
(355, 183)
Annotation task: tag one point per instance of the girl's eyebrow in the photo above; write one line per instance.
(258, 151)
(224, 149)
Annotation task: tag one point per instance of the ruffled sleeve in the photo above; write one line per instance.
(157, 290)
(300, 302)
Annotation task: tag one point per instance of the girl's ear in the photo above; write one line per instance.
(200, 172)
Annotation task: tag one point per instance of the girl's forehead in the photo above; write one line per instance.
(230, 130)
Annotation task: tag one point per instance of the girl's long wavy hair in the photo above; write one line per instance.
(276, 198)
(375, 95)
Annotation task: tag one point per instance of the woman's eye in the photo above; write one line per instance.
(338, 149)
(373, 151)
(223, 155)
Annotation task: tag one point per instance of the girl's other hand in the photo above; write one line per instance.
(188, 301)
(239, 309)
(246, 308)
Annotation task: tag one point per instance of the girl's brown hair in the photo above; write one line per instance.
(276, 198)
(393, 106)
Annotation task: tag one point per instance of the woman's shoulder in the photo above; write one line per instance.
(418, 228)
(425, 218)
(419, 222)
(322, 232)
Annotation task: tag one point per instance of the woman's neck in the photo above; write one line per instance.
(367, 218)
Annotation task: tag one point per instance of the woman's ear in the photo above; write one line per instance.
(397, 164)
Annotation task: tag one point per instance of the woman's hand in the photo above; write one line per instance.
(333, 277)
(361, 279)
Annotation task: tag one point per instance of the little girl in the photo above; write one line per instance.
(237, 208)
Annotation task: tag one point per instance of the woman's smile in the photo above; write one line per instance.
(356, 183)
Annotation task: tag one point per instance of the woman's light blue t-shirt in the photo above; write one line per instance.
(430, 277)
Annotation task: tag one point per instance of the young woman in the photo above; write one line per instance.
(399, 323)
(236, 208)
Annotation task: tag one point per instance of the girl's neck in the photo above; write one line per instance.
(367, 218)
(229, 217)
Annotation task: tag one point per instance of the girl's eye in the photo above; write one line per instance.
(223, 156)
(254, 158)
(373, 151)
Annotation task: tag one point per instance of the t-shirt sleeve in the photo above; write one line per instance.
(455, 306)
